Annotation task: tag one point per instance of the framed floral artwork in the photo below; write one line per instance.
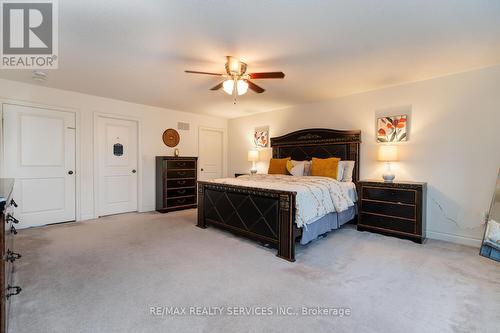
(392, 128)
(261, 137)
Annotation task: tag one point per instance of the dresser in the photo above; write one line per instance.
(395, 209)
(175, 183)
(9, 256)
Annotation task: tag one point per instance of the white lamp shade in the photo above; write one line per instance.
(388, 153)
(228, 86)
(242, 87)
(253, 155)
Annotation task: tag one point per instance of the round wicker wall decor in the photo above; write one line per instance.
(171, 137)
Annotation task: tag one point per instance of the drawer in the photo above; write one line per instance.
(388, 223)
(181, 173)
(180, 192)
(387, 208)
(389, 194)
(183, 201)
(174, 183)
(181, 164)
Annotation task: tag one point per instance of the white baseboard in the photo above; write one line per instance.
(469, 241)
(147, 209)
(84, 217)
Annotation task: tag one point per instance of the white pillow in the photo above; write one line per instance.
(493, 232)
(298, 168)
(340, 171)
(307, 168)
(348, 169)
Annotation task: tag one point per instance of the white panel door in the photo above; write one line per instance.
(39, 151)
(210, 153)
(117, 141)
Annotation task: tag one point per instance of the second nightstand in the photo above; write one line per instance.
(396, 209)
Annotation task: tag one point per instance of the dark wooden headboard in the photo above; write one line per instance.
(321, 143)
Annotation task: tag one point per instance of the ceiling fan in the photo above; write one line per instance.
(237, 81)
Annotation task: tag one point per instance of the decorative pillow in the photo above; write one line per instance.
(307, 168)
(348, 167)
(295, 168)
(277, 166)
(493, 231)
(340, 171)
(326, 167)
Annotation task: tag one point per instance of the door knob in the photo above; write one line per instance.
(70, 172)
(134, 171)
(201, 169)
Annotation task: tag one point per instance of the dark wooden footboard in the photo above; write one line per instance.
(263, 215)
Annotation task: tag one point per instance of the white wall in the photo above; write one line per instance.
(454, 144)
(153, 120)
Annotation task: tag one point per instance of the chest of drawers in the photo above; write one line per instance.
(396, 209)
(175, 183)
(9, 256)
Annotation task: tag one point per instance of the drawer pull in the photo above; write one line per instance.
(12, 256)
(13, 230)
(181, 182)
(181, 164)
(181, 201)
(13, 203)
(181, 173)
(16, 291)
(12, 218)
(181, 191)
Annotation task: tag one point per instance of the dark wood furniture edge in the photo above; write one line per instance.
(420, 189)
(161, 182)
(286, 218)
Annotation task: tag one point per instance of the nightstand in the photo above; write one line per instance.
(395, 209)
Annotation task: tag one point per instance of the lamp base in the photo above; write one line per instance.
(253, 171)
(388, 177)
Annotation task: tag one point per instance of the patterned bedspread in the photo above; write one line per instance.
(316, 196)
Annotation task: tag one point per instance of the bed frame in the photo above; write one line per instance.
(266, 215)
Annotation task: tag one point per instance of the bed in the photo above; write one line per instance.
(269, 213)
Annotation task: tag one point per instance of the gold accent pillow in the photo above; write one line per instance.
(277, 166)
(325, 167)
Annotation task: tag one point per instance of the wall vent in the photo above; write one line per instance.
(183, 126)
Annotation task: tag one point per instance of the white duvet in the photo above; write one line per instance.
(316, 196)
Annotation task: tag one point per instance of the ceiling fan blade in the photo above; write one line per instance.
(255, 87)
(217, 87)
(267, 75)
(207, 73)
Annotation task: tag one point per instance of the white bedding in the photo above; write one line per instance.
(316, 196)
(351, 190)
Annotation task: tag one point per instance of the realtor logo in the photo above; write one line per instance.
(29, 34)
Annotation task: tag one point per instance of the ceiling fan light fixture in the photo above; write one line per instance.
(234, 66)
(242, 87)
(228, 86)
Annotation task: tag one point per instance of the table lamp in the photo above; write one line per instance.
(388, 154)
(253, 156)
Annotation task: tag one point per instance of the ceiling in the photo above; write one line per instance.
(137, 50)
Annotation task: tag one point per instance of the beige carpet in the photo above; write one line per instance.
(104, 275)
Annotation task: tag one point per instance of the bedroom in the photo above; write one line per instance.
(107, 213)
